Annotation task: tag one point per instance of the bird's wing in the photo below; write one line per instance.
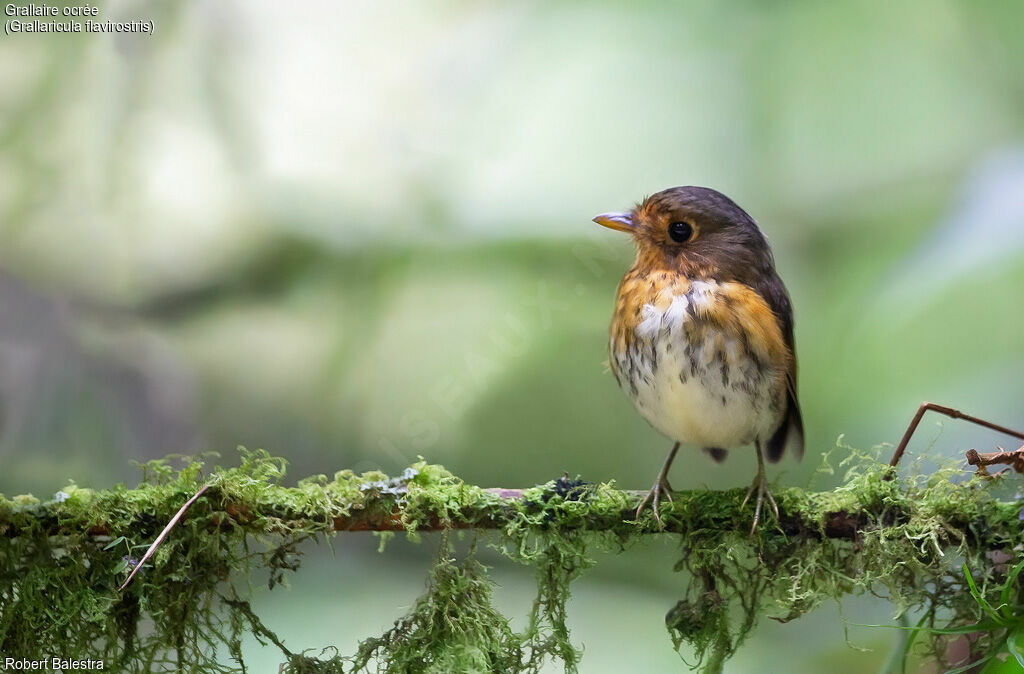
(791, 430)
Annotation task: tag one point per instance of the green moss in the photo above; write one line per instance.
(62, 560)
(451, 628)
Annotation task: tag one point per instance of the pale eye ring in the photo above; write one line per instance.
(680, 232)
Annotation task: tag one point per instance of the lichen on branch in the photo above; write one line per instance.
(66, 557)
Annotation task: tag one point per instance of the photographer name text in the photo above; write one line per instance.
(53, 664)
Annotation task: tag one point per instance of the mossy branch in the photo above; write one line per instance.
(596, 508)
(68, 556)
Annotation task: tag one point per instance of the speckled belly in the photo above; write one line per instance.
(698, 381)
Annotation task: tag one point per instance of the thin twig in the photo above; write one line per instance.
(163, 534)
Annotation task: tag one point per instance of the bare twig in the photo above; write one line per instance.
(949, 412)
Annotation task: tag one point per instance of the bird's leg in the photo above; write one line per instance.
(761, 485)
(661, 487)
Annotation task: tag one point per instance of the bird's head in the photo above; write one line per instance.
(694, 230)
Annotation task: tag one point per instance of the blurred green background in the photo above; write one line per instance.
(352, 233)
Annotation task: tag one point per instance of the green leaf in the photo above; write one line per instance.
(1008, 587)
(982, 602)
(1014, 648)
(114, 543)
(963, 629)
(910, 642)
(969, 667)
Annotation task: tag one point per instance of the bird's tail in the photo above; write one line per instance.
(789, 433)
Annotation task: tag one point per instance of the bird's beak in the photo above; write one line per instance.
(620, 221)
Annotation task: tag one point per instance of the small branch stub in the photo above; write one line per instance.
(1014, 460)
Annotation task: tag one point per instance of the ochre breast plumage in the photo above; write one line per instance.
(704, 362)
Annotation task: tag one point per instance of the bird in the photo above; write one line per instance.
(702, 334)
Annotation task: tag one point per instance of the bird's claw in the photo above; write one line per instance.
(760, 485)
(661, 488)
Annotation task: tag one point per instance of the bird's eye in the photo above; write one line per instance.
(680, 232)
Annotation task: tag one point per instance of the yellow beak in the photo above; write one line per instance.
(620, 221)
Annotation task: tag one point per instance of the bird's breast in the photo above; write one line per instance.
(704, 362)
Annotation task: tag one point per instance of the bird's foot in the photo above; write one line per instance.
(760, 485)
(661, 488)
